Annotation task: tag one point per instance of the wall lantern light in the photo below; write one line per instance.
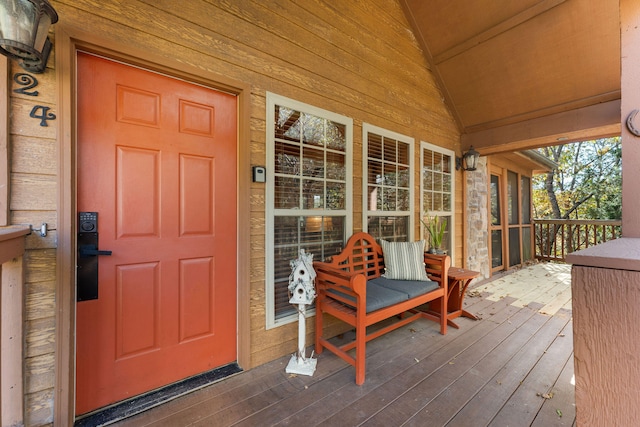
(468, 161)
(24, 25)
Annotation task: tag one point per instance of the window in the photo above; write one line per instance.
(387, 199)
(309, 196)
(437, 189)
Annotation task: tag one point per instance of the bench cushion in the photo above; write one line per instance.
(383, 292)
(377, 296)
(380, 297)
(412, 288)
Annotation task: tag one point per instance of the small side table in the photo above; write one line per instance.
(459, 279)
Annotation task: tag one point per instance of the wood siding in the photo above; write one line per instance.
(359, 59)
(33, 201)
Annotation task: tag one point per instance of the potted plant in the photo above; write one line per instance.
(435, 227)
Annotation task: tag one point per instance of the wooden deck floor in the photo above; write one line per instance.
(513, 367)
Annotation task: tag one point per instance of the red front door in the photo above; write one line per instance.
(157, 161)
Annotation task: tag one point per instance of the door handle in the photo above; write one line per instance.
(86, 251)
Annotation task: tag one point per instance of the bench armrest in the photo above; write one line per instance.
(339, 281)
(437, 267)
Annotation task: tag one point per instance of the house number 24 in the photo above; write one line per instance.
(28, 82)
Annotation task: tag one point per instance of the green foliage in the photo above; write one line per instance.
(587, 183)
(435, 227)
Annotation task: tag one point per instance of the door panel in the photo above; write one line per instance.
(157, 161)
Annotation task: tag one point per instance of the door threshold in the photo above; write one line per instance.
(139, 404)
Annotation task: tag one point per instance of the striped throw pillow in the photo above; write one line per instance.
(404, 260)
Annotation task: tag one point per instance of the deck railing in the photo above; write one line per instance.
(555, 238)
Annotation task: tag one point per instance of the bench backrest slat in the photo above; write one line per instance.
(361, 254)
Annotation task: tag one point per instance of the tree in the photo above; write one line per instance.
(586, 184)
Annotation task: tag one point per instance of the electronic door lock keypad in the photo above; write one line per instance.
(88, 221)
(88, 252)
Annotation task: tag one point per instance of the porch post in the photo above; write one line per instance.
(605, 279)
(630, 89)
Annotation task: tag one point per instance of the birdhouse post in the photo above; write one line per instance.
(302, 293)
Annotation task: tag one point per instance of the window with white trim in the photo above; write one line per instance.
(309, 193)
(437, 189)
(388, 182)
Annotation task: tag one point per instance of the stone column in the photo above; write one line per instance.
(476, 201)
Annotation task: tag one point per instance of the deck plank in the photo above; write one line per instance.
(488, 372)
(560, 409)
(445, 406)
(416, 391)
(528, 399)
(488, 402)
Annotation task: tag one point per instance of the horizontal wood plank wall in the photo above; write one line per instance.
(33, 179)
(358, 59)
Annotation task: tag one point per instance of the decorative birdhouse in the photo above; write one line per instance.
(302, 293)
(301, 279)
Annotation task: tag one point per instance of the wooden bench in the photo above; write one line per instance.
(345, 284)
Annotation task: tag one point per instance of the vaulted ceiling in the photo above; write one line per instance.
(526, 73)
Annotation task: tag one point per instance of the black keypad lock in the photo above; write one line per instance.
(88, 252)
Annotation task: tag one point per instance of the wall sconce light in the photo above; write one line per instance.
(24, 25)
(468, 161)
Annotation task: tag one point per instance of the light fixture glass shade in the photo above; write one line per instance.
(24, 25)
(470, 159)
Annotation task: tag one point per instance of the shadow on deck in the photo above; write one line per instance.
(513, 367)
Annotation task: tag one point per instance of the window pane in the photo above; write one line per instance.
(287, 157)
(374, 146)
(496, 248)
(390, 174)
(437, 202)
(437, 182)
(427, 180)
(403, 176)
(526, 244)
(513, 202)
(336, 136)
(389, 147)
(336, 195)
(403, 200)
(446, 202)
(287, 124)
(526, 200)
(374, 174)
(389, 199)
(403, 153)
(374, 200)
(446, 163)
(514, 246)
(313, 162)
(312, 129)
(495, 200)
(427, 202)
(437, 162)
(391, 228)
(287, 193)
(446, 183)
(313, 194)
(336, 166)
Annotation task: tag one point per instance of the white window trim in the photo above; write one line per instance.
(425, 145)
(272, 100)
(366, 129)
